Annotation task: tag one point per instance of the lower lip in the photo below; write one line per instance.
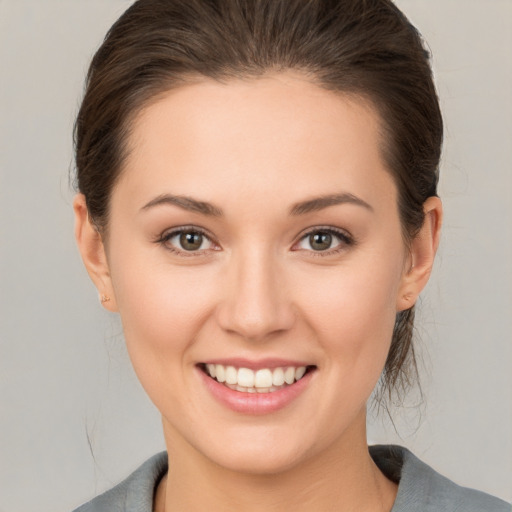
(255, 403)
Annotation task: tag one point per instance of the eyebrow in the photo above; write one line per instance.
(205, 208)
(319, 203)
(185, 202)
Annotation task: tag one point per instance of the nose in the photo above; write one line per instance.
(256, 303)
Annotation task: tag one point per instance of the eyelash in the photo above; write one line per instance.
(166, 236)
(344, 238)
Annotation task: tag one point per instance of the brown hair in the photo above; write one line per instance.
(362, 47)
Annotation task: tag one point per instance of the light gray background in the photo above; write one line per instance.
(65, 380)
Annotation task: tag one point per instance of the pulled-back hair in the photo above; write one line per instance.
(365, 48)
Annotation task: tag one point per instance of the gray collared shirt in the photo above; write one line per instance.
(420, 488)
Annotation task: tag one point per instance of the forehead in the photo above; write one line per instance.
(277, 134)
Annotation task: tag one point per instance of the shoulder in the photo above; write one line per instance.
(135, 494)
(420, 488)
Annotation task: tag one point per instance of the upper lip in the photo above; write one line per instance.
(257, 364)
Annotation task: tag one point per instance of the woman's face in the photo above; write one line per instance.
(255, 226)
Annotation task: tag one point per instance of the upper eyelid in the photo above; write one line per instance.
(165, 236)
(346, 240)
(325, 229)
(171, 232)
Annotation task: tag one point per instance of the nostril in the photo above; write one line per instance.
(257, 309)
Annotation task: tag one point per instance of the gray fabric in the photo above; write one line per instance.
(135, 494)
(420, 488)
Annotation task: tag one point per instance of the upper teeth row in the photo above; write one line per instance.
(264, 378)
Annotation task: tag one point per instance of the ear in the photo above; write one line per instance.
(422, 252)
(92, 250)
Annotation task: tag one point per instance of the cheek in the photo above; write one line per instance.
(352, 310)
(162, 308)
(359, 296)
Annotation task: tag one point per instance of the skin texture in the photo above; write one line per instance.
(257, 288)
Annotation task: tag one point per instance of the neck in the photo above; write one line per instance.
(344, 478)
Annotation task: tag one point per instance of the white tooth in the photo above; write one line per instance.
(299, 372)
(231, 386)
(245, 377)
(251, 390)
(211, 369)
(220, 373)
(231, 375)
(263, 378)
(289, 375)
(273, 388)
(243, 389)
(278, 377)
(263, 390)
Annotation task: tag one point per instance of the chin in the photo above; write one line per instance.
(256, 459)
(264, 449)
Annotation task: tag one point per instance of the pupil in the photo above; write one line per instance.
(320, 241)
(191, 241)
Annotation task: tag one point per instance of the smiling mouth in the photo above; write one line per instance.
(264, 380)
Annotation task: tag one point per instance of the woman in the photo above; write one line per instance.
(257, 199)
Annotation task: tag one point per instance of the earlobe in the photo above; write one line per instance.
(423, 249)
(92, 250)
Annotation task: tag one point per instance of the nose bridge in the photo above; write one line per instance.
(255, 304)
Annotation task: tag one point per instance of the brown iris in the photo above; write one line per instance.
(320, 241)
(191, 240)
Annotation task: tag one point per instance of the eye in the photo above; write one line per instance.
(188, 240)
(326, 240)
